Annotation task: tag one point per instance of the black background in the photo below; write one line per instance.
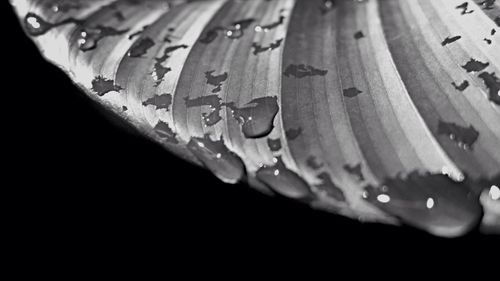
(83, 183)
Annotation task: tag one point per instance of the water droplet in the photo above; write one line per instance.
(430, 203)
(383, 198)
(284, 181)
(455, 207)
(494, 192)
(37, 26)
(257, 116)
(216, 157)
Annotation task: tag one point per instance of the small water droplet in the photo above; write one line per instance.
(494, 192)
(430, 203)
(383, 198)
(37, 26)
(91, 36)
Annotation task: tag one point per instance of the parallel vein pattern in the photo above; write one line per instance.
(381, 110)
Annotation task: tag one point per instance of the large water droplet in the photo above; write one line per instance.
(216, 157)
(257, 116)
(284, 181)
(432, 202)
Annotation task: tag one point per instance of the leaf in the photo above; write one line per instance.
(380, 110)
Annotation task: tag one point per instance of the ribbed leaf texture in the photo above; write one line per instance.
(380, 110)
